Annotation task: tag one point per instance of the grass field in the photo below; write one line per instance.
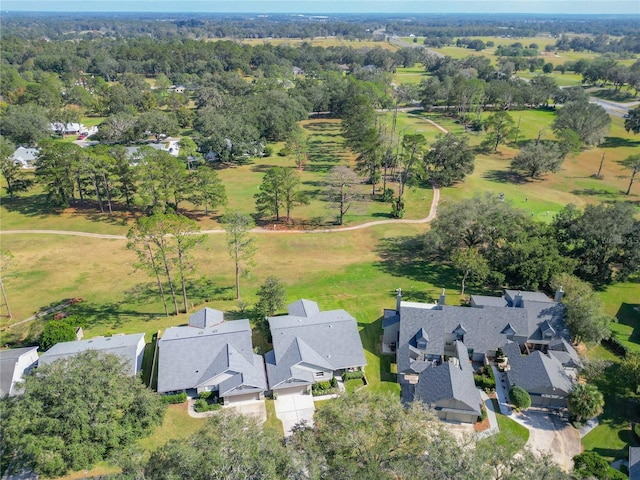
(318, 42)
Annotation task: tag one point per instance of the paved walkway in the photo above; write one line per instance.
(491, 415)
(293, 408)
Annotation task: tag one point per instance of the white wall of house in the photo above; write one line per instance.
(24, 364)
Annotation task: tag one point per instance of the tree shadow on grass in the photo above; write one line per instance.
(627, 315)
(29, 206)
(401, 257)
(614, 142)
(594, 192)
(505, 176)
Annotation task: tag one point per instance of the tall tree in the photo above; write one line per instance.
(25, 124)
(341, 193)
(298, 145)
(6, 263)
(584, 315)
(499, 126)
(158, 123)
(163, 243)
(603, 239)
(632, 162)
(585, 401)
(206, 188)
(239, 243)
(271, 298)
(409, 161)
(11, 171)
(632, 120)
(230, 446)
(449, 160)
(162, 179)
(471, 265)
(538, 158)
(291, 196)
(76, 412)
(56, 170)
(591, 122)
(269, 198)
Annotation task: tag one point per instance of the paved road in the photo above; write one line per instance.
(614, 108)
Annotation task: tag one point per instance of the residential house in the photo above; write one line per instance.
(170, 146)
(14, 363)
(427, 335)
(540, 374)
(311, 346)
(448, 387)
(129, 347)
(634, 463)
(211, 354)
(25, 156)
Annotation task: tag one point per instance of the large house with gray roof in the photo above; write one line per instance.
(426, 336)
(211, 354)
(128, 347)
(311, 346)
(14, 363)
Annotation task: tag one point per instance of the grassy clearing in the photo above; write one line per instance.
(318, 42)
(272, 421)
(410, 75)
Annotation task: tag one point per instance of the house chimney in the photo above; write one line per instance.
(442, 298)
(398, 299)
(559, 294)
(517, 301)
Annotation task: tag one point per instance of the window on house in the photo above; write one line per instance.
(319, 374)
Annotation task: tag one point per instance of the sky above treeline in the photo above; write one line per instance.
(578, 7)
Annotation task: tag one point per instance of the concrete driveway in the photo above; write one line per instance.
(551, 433)
(251, 408)
(292, 408)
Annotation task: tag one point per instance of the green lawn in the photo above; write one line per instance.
(512, 435)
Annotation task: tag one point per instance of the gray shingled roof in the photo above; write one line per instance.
(634, 463)
(8, 360)
(220, 355)
(450, 381)
(536, 371)
(487, 301)
(325, 340)
(206, 317)
(303, 308)
(125, 346)
(510, 295)
(483, 327)
(564, 351)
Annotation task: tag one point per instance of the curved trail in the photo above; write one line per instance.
(432, 214)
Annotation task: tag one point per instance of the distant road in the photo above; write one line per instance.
(614, 108)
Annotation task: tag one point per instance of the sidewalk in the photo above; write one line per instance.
(491, 415)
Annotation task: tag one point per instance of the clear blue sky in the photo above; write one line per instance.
(631, 7)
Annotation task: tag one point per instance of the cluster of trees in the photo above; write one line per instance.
(74, 413)
(488, 241)
(109, 175)
(356, 436)
(94, 25)
(382, 155)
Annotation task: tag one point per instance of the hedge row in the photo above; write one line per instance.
(201, 405)
(325, 388)
(352, 375)
(175, 398)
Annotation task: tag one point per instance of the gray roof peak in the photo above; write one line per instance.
(509, 330)
(460, 330)
(303, 308)
(206, 317)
